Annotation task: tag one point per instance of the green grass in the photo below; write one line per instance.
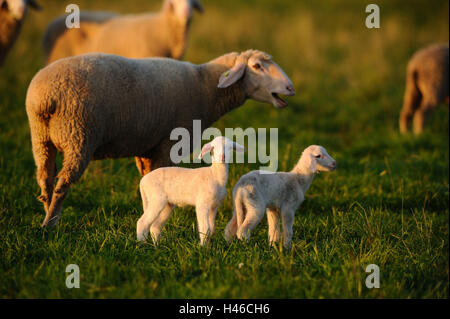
(387, 204)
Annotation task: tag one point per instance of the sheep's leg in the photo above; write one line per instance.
(151, 213)
(287, 217)
(411, 102)
(421, 116)
(144, 165)
(74, 164)
(157, 226)
(158, 157)
(273, 219)
(203, 223)
(252, 219)
(212, 220)
(45, 157)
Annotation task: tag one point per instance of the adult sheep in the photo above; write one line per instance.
(427, 81)
(162, 34)
(98, 106)
(12, 15)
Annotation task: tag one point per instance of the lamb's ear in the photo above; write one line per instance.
(238, 147)
(197, 5)
(312, 164)
(232, 76)
(309, 162)
(34, 5)
(205, 149)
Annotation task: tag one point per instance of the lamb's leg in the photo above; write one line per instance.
(231, 228)
(212, 220)
(203, 223)
(154, 207)
(287, 217)
(45, 158)
(252, 218)
(157, 226)
(74, 164)
(273, 219)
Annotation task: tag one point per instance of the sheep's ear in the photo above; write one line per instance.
(197, 5)
(231, 76)
(238, 147)
(206, 148)
(34, 5)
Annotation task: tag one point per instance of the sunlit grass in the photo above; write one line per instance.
(388, 202)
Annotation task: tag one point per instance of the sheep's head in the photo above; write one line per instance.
(316, 159)
(221, 149)
(17, 9)
(262, 78)
(183, 9)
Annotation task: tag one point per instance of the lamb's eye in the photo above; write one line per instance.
(318, 156)
(4, 5)
(257, 66)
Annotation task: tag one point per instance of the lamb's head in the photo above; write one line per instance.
(316, 159)
(183, 9)
(262, 78)
(17, 9)
(221, 149)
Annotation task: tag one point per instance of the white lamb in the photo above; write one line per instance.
(204, 188)
(280, 193)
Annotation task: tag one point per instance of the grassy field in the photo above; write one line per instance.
(387, 204)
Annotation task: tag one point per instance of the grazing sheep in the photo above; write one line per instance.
(162, 34)
(12, 15)
(427, 81)
(280, 193)
(204, 188)
(98, 106)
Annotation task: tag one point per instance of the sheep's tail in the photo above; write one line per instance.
(412, 92)
(238, 216)
(411, 99)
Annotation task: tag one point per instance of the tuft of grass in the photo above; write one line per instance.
(387, 204)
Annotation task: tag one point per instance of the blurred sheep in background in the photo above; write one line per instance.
(162, 34)
(12, 15)
(427, 81)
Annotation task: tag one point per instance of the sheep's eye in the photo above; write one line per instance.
(318, 156)
(257, 66)
(5, 5)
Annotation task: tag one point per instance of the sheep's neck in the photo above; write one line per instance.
(177, 34)
(220, 172)
(221, 101)
(9, 29)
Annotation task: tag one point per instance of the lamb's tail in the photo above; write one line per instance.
(238, 216)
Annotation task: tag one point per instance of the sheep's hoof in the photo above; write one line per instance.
(42, 198)
(51, 223)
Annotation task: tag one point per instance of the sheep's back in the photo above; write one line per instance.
(431, 68)
(127, 105)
